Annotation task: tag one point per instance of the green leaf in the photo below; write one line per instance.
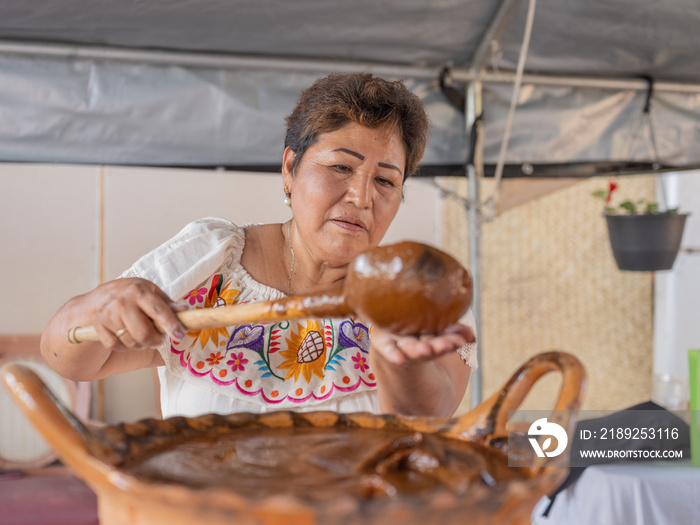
(652, 207)
(600, 194)
(630, 206)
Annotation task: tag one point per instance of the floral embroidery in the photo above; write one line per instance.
(214, 359)
(351, 335)
(284, 363)
(360, 362)
(354, 335)
(247, 336)
(237, 362)
(307, 352)
(252, 338)
(196, 295)
(215, 298)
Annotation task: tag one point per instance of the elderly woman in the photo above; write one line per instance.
(351, 142)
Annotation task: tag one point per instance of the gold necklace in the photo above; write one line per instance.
(291, 268)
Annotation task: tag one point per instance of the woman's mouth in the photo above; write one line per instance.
(350, 224)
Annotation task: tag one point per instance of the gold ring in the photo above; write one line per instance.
(120, 333)
(70, 335)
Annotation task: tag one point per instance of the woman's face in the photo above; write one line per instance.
(346, 191)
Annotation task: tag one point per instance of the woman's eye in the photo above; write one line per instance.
(341, 168)
(384, 181)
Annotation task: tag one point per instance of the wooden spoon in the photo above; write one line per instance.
(407, 288)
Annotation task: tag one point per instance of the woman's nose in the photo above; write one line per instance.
(360, 190)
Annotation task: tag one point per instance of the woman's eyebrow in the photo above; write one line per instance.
(362, 157)
(350, 152)
(390, 166)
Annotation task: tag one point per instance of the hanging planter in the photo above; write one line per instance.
(642, 238)
(646, 243)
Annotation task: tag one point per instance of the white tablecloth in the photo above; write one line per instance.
(644, 493)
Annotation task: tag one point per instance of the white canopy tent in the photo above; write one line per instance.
(208, 82)
(204, 83)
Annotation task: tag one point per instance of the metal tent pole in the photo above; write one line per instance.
(309, 65)
(474, 173)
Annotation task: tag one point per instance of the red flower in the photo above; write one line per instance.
(611, 187)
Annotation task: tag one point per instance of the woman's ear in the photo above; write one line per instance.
(287, 163)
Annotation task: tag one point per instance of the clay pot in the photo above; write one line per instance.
(104, 458)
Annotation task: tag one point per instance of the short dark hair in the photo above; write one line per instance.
(341, 98)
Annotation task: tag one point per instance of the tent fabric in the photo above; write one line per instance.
(50, 110)
(84, 107)
(405, 32)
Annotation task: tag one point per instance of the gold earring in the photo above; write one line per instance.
(287, 196)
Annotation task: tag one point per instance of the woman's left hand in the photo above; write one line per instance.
(399, 349)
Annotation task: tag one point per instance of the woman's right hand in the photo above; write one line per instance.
(123, 313)
(128, 308)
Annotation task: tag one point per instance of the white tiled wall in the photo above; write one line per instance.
(50, 236)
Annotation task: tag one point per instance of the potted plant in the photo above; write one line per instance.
(643, 238)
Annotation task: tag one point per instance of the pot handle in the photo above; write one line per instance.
(72, 440)
(489, 419)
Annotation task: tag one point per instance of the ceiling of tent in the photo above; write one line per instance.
(591, 37)
(61, 89)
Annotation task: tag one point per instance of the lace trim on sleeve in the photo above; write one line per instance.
(468, 351)
(128, 273)
(468, 355)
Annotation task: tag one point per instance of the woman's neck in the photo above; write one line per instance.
(306, 274)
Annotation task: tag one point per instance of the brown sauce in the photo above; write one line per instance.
(317, 464)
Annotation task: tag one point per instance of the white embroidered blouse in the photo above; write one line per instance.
(310, 364)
